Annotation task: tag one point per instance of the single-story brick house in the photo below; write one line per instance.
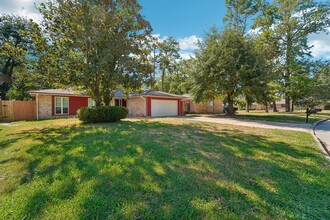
(53, 103)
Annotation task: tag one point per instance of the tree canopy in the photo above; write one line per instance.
(167, 58)
(99, 45)
(227, 64)
(288, 23)
(17, 48)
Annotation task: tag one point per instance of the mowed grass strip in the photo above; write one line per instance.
(159, 168)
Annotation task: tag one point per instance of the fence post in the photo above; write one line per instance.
(1, 116)
(11, 115)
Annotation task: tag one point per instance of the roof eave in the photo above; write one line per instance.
(58, 94)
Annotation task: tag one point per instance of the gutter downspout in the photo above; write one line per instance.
(37, 101)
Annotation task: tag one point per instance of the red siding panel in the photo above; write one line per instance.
(148, 103)
(75, 102)
(180, 107)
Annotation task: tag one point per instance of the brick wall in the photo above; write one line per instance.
(217, 106)
(201, 107)
(45, 106)
(205, 108)
(136, 107)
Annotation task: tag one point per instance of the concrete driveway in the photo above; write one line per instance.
(322, 131)
(255, 124)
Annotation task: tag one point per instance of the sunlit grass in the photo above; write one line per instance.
(159, 168)
(290, 117)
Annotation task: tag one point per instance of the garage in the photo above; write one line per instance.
(164, 108)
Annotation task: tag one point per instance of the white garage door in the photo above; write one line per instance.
(164, 108)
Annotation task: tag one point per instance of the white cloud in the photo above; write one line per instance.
(320, 43)
(186, 43)
(24, 8)
(254, 32)
(159, 38)
(189, 43)
(187, 55)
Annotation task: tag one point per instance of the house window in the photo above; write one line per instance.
(210, 106)
(91, 102)
(117, 102)
(120, 102)
(61, 105)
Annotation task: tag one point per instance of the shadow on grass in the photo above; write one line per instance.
(151, 170)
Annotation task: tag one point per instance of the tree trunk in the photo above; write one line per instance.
(288, 59)
(292, 105)
(248, 103)
(230, 104)
(274, 106)
(287, 104)
(96, 95)
(267, 108)
(163, 76)
(97, 100)
(107, 100)
(4, 88)
(247, 107)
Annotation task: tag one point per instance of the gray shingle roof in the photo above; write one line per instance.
(119, 93)
(156, 93)
(59, 92)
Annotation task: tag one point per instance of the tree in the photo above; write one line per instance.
(240, 12)
(226, 64)
(17, 48)
(291, 23)
(180, 82)
(24, 80)
(312, 88)
(168, 54)
(98, 45)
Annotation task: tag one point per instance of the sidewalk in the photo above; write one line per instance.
(322, 131)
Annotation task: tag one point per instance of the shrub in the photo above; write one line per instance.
(102, 114)
(327, 106)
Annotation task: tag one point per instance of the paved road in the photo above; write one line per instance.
(322, 131)
(256, 124)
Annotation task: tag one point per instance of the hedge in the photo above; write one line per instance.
(102, 114)
(327, 107)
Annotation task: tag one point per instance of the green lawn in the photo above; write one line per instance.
(290, 117)
(159, 168)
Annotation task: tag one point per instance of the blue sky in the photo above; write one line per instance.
(186, 20)
(182, 18)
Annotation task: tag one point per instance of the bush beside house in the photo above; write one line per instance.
(102, 114)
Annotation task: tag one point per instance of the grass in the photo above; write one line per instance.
(159, 168)
(289, 117)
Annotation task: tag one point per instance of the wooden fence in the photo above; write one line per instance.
(17, 110)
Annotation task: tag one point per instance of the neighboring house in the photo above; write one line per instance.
(326, 106)
(280, 105)
(212, 106)
(53, 103)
